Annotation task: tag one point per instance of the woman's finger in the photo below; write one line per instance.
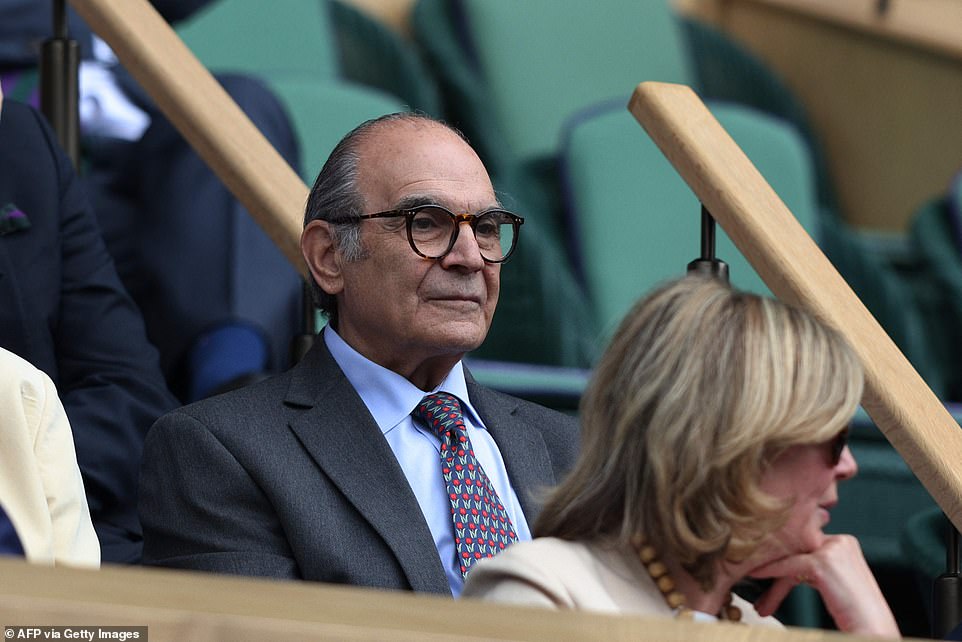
(771, 599)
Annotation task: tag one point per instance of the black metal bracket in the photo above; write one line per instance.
(59, 83)
(946, 606)
(707, 263)
(301, 343)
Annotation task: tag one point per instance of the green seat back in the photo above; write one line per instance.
(261, 37)
(635, 221)
(726, 71)
(373, 54)
(543, 315)
(923, 540)
(542, 60)
(322, 113)
(937, 287)
(464, 99)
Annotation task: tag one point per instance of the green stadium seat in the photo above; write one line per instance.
(543, 315)
(266, 38)
(726, 71)
(936, 238)
(633, 221)
(372, 54)
(512, 72)
(322, 113)
(324, 40)
(543, 60)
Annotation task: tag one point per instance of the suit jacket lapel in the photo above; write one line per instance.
(342, 437)
(523, 449)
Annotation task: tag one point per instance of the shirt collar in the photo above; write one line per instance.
(389, 397)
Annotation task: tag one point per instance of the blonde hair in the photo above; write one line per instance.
(700, 389)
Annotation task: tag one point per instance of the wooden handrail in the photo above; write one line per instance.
(206, 115)
(180, 605)
(794, 268)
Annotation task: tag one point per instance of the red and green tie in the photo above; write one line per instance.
(482, 527)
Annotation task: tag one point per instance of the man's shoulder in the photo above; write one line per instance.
(249, 423)
(522, 407)
(240, 408)
(559, 430)
(554, 417)
(22, 122)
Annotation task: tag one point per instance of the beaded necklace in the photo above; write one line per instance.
(674, 598)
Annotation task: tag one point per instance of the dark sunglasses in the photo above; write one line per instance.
(838, 444)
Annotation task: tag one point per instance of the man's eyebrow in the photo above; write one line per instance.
(419, 200)
(415, 200)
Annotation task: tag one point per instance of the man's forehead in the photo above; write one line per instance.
(391, 138)
(405, 164)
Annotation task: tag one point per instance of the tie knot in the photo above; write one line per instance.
(441, 412)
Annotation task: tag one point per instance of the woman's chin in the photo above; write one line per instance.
(824, 516)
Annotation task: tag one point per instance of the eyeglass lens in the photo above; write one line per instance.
(433, 228)
(838, 445)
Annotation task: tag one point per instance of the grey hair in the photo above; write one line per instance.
(335, 196)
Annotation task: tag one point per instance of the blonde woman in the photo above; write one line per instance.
(713, 440)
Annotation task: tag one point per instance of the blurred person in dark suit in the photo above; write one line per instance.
(220, 301)
(65, 311)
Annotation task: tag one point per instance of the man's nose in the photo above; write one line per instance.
(466, 252)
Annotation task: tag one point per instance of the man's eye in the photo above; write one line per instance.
(487, 228)
(491, 225)
(423, 224)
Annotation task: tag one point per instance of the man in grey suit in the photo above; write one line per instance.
(329, 472)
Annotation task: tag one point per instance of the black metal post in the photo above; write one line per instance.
(303, 342)
(946, 608)
(707, 263)
(59, 84)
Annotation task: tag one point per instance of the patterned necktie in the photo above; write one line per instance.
(482, 527)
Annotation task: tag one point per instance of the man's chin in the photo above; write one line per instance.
(462, 337)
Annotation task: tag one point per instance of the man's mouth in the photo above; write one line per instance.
(467, 298)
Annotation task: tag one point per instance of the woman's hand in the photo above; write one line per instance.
(838, 571)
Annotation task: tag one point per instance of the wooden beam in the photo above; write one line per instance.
(930, 25)
(206, 115)
(794, 268)
(181, 605)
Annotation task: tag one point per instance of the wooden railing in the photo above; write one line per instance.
(181, 606)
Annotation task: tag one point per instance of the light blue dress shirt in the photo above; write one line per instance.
(391, 399)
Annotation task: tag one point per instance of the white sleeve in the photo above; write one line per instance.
(74, 539)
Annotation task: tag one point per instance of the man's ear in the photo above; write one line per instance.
(322, 257)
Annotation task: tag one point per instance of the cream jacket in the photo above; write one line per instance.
(557, 574)
(40, 485)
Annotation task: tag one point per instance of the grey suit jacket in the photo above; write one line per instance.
(292, 478)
